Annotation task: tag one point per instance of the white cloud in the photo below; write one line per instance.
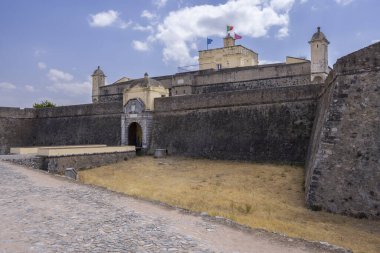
(67, 85)
(58, 75)
(108, 18)
(103, 19)
(42, 65)
(29, 88)
(63, 82)
(160, 3)
(283, 32)
(71, 88)
(140, 45)
(252, 18)
(124, 25)
(148, 15)
(344, 2)
(7, 86)
(303, 1)
(141, 28)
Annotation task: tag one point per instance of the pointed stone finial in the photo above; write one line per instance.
(146, 80)
(319, 29)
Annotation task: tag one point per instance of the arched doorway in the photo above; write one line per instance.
(135, 135)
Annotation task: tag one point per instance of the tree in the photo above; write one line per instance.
(43, 104)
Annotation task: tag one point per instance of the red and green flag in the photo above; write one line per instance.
(237, 36)
(229, 28)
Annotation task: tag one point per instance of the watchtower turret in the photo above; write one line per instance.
(229, 41)
(98, 80)
(319, 57)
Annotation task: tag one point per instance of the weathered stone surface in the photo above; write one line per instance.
(59, 164)
(343, 169)
(263, 125)
(64, 125)
(16, 128)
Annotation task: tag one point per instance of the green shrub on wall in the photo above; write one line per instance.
(43, 104)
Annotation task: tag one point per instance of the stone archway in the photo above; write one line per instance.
(135, 135)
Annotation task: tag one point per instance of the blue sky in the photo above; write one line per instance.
(49, 48)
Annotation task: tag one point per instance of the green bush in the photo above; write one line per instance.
(43, 104)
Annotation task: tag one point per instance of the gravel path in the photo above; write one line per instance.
(40, 212)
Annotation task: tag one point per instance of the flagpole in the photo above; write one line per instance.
(207, 43)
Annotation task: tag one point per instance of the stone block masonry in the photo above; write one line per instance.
(343, 169)
(80, 124)
(272, 125)
(65, 125)
(16, 128)
(58, 164)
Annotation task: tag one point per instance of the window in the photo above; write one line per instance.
(218, 66)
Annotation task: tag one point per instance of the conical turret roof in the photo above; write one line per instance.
(98, 72)
(318, 36)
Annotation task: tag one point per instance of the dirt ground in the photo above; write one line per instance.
(41, 212)
(257, 195)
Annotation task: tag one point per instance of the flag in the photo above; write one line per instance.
(237, 37)
(229, 28)
(209, 41)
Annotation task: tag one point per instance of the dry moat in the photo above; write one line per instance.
(258, 195)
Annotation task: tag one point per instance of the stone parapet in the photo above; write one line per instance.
(239, 98)
(58, 164)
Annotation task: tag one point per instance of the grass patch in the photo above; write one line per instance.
(258, 195)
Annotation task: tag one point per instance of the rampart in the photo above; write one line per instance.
(343, 168)
(261, 125)
(65, 125)
(16, 128)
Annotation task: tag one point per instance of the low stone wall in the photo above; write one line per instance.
(59, 164)
(343, 169)
(32, 161)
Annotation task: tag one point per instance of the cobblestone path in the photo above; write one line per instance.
(46, 213)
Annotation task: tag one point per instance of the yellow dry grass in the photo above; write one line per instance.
(258, 195)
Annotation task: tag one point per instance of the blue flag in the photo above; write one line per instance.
(209, 41)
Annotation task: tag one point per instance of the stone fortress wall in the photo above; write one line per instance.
(260, 125)
(270, 113)
(343, 164)
(65, 125)
(16, 128)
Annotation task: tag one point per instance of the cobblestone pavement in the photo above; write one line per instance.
(46, 213)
